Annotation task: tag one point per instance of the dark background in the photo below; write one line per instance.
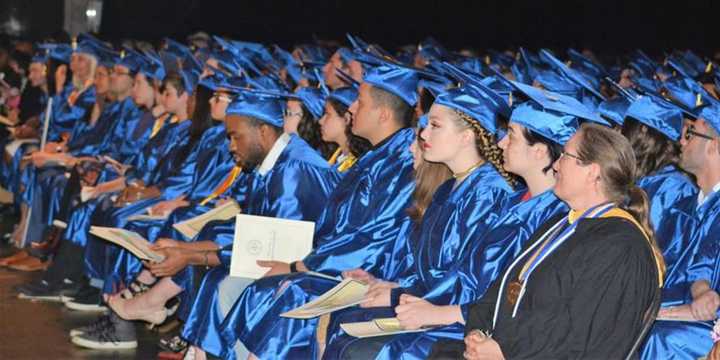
(606, 26)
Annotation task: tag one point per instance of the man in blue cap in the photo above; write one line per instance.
(357, 229)
(694, 299)
(288, 180)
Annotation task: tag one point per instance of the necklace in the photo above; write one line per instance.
(468, 171)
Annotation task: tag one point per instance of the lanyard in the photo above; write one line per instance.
(547, 248)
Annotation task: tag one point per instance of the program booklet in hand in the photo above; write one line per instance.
(191, 227)
(267, 238)
(129, 240)
(347, 293)
(377, 327)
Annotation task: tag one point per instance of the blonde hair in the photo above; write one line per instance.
(486, 145)
(79, 84)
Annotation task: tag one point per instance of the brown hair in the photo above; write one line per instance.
(486, 144)
(653, 150)
(428, 177)
(613, 152)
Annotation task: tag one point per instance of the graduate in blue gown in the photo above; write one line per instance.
(534, 141)
(285, 174)
(694, 295)
(653, 127)
(359, 225)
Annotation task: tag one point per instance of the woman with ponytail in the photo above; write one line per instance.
(653, 127)
(582, 286)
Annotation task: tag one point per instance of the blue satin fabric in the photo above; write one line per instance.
(168, 138)
(463, 282)
(110, 133)
(700, 260)
(453, 219)
(673, 196)
(86, 140)
(66, 116)
(297, 187)
(361, 228)
(158, 151)
(364, 214)
(213, 163)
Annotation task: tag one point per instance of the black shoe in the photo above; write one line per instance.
(41, 290)
(87, 299)
(114, 335)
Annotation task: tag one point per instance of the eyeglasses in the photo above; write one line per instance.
(690, 132)
(576, 157)
(288, 113)
(222, 97)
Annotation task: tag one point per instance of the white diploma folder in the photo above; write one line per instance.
(267, 238)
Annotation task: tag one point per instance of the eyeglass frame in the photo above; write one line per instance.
(690, 132)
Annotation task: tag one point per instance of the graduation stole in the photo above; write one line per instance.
(617, 212)
(224, 186)
(72, 98)
(346, 164)
(552, 239)
(160, 121)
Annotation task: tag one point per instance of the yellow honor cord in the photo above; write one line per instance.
(224, 186)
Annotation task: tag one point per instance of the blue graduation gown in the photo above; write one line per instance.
(65, 116)
(297, 187)
(212, 153)
(672, 197)
(359, 229)
(690, 340)
(467, 280)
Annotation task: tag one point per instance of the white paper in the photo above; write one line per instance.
(347, 293)
(86, 193)
(266, 238)
(146, 217)
(129, 240)
(13, 147)
(59, 223)
(191, 227)
(377, 327)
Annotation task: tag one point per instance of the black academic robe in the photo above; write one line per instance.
(584, 301)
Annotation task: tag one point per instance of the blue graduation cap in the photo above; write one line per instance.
(313, 99)
(686, 93)
(396, 80)
(555, 126)
(40, 57)
(152, 67)
(59, 52)
(131, 59)
(614, 109)
(183, 54)
(711, 114)
(658, 114)
(264, 107)
(475, 102)
(572, 74)
(555, 82)
(559, 103)
(524, 69)
(583, 64)
(345, 95)
(678, 64)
